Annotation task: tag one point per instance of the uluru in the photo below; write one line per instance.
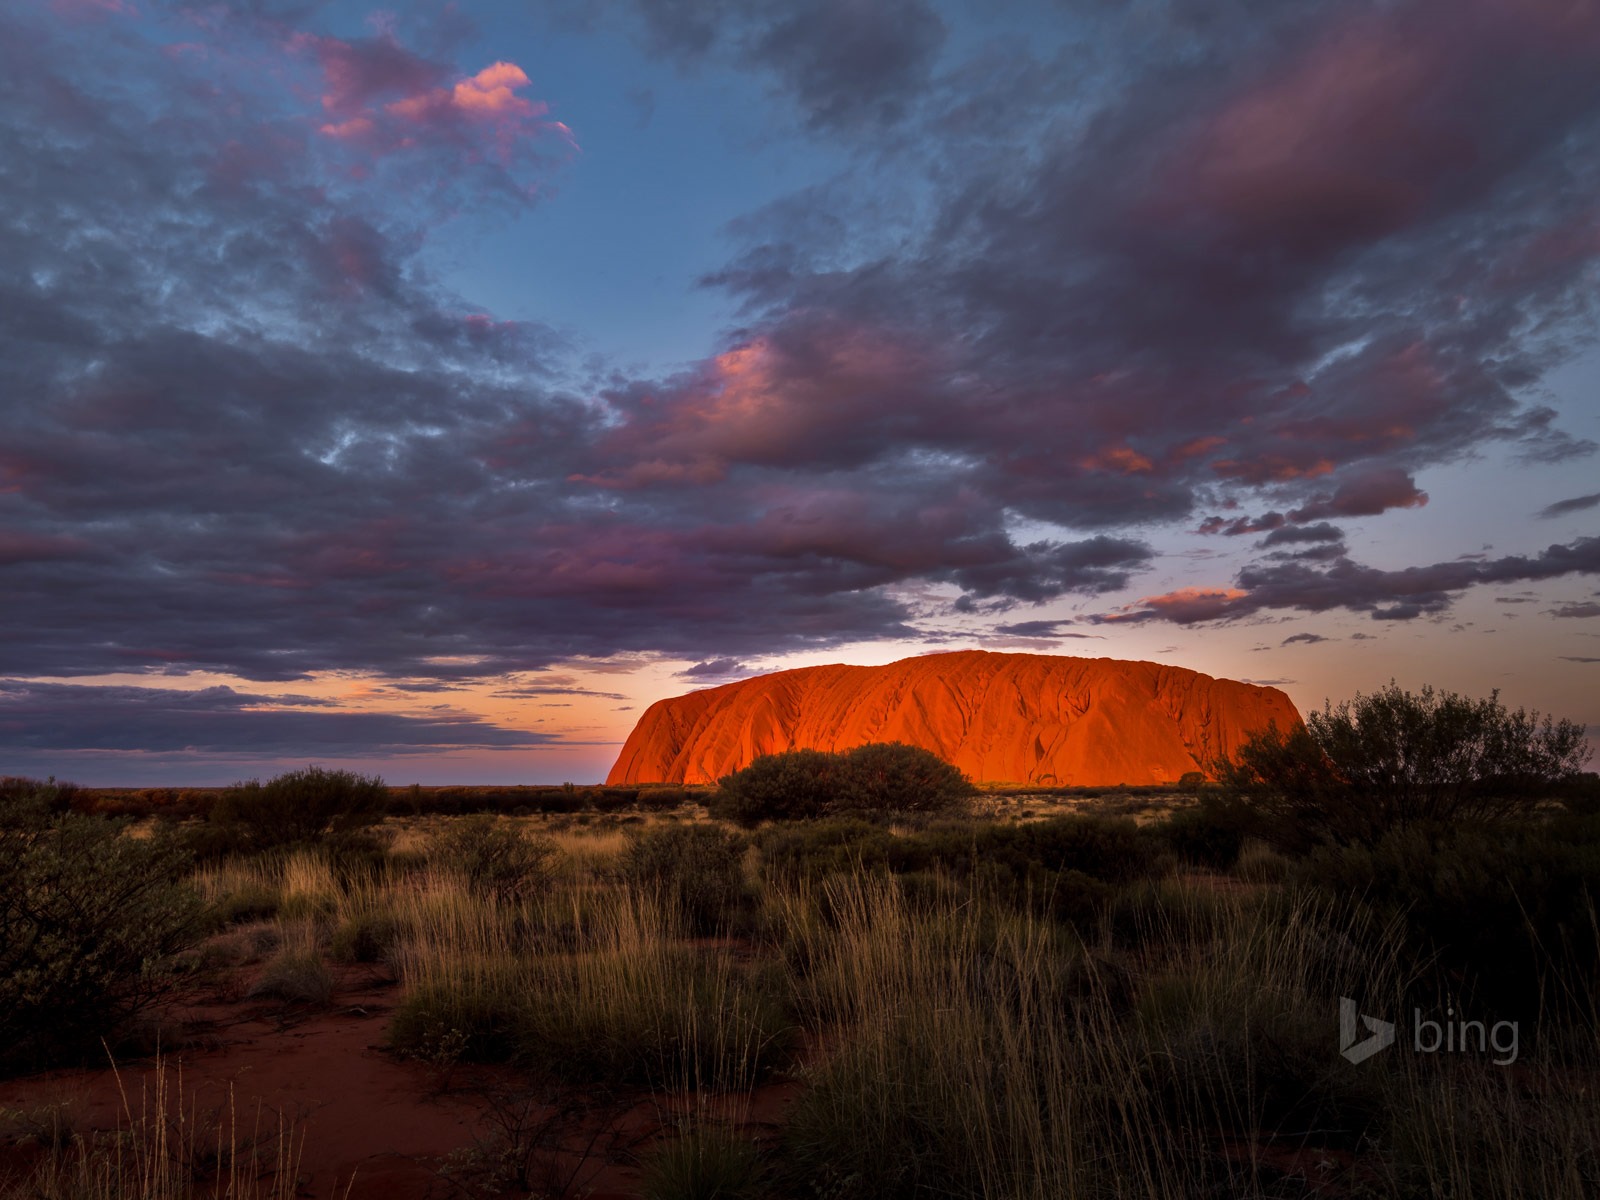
(1040, 719)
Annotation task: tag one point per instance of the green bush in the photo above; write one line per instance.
(790, 786)
(298, 806)
(697, 868)
(881, 778)
(90, 921)
(893, 777)
(1354, 772)
(494, 858)
(814, 849)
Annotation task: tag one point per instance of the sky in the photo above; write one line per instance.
(426, 390)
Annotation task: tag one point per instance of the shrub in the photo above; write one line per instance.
(814, 849)
(365, 937)
(1510, 915)
(299, 806)
(698, 869)
(886, 778)
(89, 923)
(1210, 833)
(1356, 771)
(495, 859)
(295, 976)
(779, 787)
(893, 777)
(663, 799)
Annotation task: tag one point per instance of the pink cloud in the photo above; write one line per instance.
(1185, 605)
(357, 74)
(767, 402)
(382, 99)
(1384, 116)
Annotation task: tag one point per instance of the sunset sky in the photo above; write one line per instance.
(428, 389)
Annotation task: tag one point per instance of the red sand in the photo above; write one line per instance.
(376, 1127)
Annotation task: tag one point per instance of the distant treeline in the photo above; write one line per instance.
(178, 804)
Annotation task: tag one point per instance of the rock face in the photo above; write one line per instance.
(1001, 718)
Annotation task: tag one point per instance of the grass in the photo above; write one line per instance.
(704, 1162)
(941, 1031)
(165, 1148)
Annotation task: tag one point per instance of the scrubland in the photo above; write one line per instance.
(972, 1001)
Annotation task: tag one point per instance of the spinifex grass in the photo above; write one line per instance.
(167, 1148)
(609, 990)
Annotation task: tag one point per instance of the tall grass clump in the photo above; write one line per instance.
(697, 871)
(165, 1148)
(613, 991)
(495, 857)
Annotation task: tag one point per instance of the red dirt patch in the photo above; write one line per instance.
(374, 1126)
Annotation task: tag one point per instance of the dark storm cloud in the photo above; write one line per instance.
(218, 720)
(1562, 508)
(1222, 282)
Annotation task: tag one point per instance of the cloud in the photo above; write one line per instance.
(719, 669)
(1586, 608)
(842, 63)
(1577, 659)
(1562, 508)
(248, 431)
(40, 717)
(1044, 629)
(1392, 595)
(1294, 535)
(1309, 639)
(1366, 494)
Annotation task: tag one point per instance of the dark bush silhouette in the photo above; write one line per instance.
(878, 778)
(1209, 834)
(89, 922)
(1510, 913)
(1375, 763)
(298, 806)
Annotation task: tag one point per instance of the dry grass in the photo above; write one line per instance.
(167, 1148)
(962, 1045)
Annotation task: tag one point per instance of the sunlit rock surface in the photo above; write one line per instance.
(1001, 718)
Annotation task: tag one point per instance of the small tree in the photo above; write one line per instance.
(299, 806)
(1355, 771)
